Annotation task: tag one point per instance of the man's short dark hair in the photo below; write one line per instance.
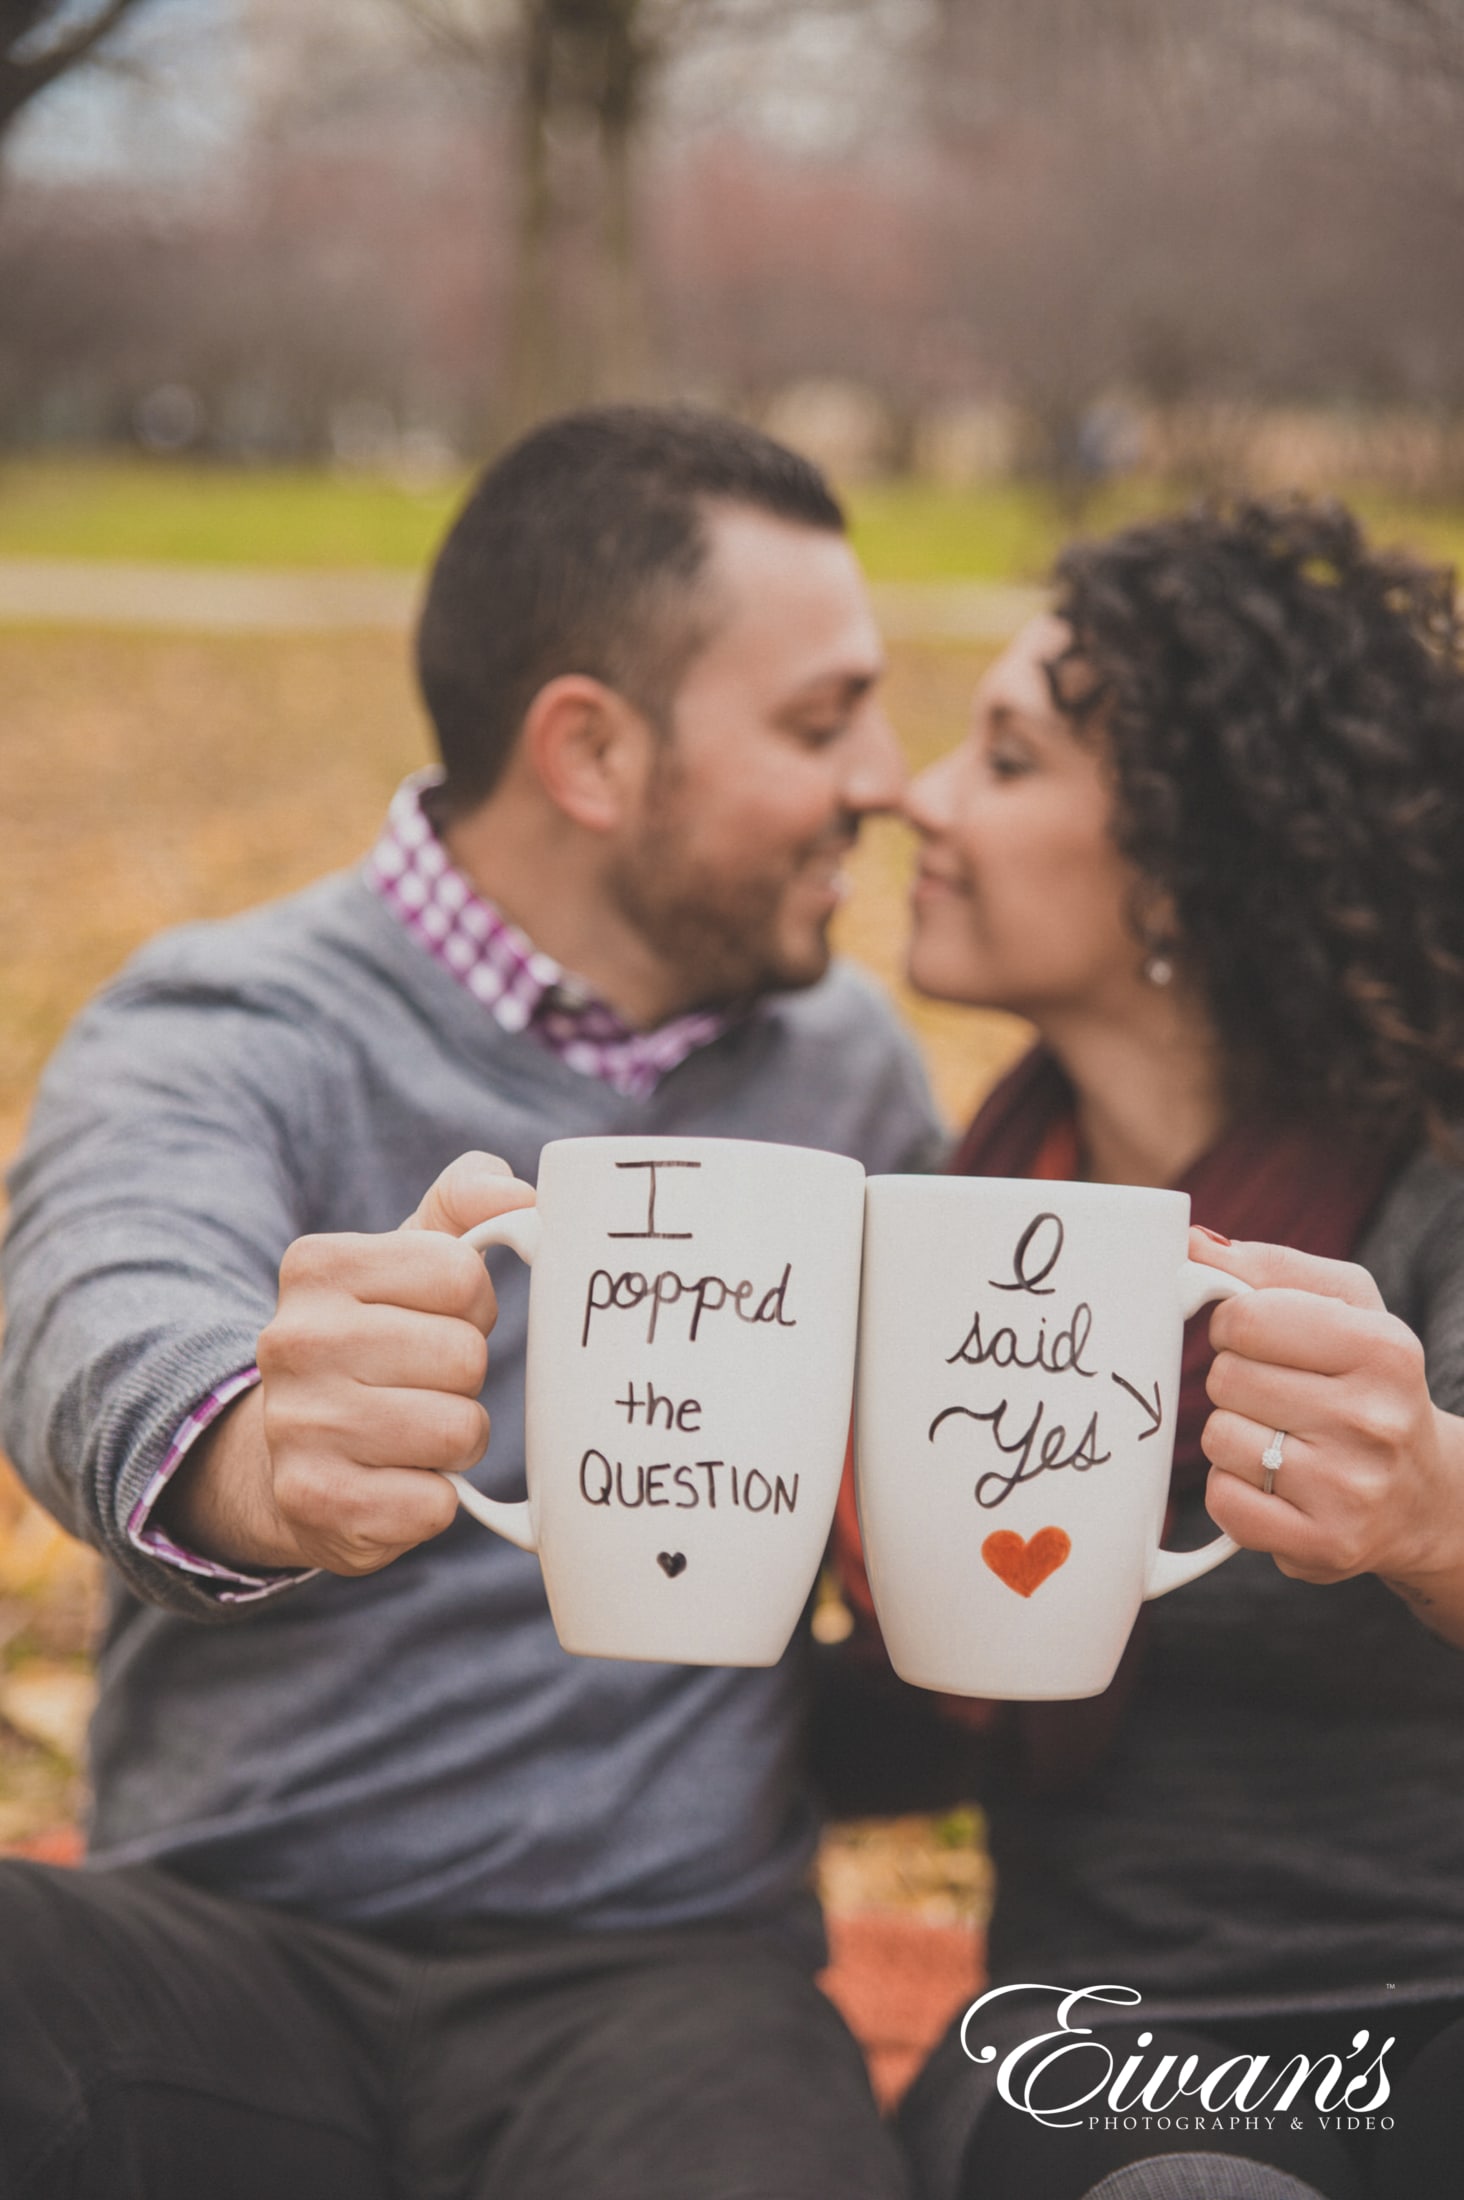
(580, 551)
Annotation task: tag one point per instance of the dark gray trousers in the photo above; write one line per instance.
(158, 2041)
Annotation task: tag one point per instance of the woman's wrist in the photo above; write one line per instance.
(1430, 1578)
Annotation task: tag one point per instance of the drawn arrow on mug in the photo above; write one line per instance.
(1154, 1411)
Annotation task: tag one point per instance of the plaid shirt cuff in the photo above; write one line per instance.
(230, 1584)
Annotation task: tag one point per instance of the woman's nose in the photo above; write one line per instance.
(927, 800)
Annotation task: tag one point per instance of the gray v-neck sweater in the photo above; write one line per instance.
(415, 1743)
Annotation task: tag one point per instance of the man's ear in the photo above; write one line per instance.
(590, 750)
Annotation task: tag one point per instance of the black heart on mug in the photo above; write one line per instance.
(671, 1563)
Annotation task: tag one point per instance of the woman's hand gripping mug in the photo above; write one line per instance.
(1019, 1362)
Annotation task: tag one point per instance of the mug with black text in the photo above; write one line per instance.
(692, 1320)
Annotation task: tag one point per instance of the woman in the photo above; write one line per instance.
(1207, 835)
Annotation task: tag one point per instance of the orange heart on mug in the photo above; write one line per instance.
(1025, 1566)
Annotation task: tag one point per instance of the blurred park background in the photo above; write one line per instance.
(274, 274)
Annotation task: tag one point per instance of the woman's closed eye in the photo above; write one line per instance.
(1010, 758)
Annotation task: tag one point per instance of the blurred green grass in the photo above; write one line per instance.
(185, 514)
(182, 512)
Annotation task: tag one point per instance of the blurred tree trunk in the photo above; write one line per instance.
(533, 364)
(628, 63)
(576, 77)
(579, 329)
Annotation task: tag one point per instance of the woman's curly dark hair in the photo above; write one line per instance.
(1285, 711)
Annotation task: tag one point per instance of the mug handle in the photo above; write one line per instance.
(1199, 1285)
(520, 1230)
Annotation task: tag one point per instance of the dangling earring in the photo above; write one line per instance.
(1158, 963)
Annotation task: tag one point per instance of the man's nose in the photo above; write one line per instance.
(876, 779)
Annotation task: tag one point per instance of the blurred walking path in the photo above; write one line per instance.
(261, 600)
(200, 598)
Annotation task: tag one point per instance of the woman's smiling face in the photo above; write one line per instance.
(1022, 900)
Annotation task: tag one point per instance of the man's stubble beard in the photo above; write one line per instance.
(718, 936)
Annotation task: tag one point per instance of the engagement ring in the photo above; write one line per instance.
(1271, 1461)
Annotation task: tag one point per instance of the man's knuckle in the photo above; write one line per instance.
(463, 1273)
(268, 1350)
(323, 1259)
(354, 1512)
(299, 1262)
(278, 1421)
(469, 1359)
(466, 1170)
(457, 1431)
(304, 1503)
(351, 1555)
(307, 1327)
(458, 1174)
(296, 1340)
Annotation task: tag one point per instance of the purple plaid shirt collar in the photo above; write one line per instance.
(522, 988)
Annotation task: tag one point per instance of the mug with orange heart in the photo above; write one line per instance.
(1019, 1359)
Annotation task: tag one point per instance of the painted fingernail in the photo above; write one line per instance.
(1213, 1235)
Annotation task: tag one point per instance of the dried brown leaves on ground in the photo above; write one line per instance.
(151, 779)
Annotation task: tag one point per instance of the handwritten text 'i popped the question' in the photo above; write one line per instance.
(691, 1308)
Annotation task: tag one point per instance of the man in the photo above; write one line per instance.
(388, 1893)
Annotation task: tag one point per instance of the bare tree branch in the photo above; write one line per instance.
(452, 35)
(1411, 37)
(31, 59)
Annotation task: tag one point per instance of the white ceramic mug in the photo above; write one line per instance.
(692, 1322)
(1019, 1361)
